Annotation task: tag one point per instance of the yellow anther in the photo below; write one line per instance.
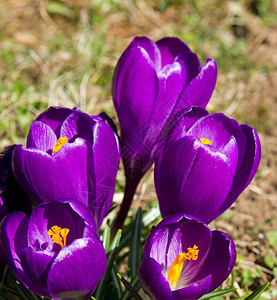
(205, 141)
(60, 142)
(58, 235)
(177, 266)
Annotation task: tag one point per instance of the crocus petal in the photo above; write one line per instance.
(183, 173)
(170, 47)
(135, 95)
(215, 127)
(172, 80)
(106, 158)
(179, 124)
(13, 235)
(224, 134)
(77, 270)
(248, 167)
(61, 176)
(191, 66)
(53, 117)
(200, 89)
(194, 291)
(153, 281)
(41, 136)
(13, 238)
(252, 157)
(220, 260)
(170, 83)
(77, 125)
(85, 214)
(151, 49)
(36, 265)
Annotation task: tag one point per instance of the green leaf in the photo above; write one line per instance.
(150, 216)
(106, 237)
(54, 7)
(272, 238)
(129, 287)
(256, 294)
(116, 281)
(135, 247)
(102, 287)
(217, 293)
(115, 242)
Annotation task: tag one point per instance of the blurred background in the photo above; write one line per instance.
(64, 53)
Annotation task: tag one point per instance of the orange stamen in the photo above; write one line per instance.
(177, 266)
(58, 235)
(205, 141)
(60, 142)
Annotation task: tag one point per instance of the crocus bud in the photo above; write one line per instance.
(152, 81)
(183, 259)
(69, 155)
(56, 252)
(206, 162)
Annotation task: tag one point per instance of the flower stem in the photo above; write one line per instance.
(130, 189)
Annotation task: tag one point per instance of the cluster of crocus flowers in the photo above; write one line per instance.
(69, 167)
(202, 163)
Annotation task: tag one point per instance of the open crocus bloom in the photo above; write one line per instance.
(151, 82)
(56, 252)
(69, 155)
(183, 259)
(207, 161)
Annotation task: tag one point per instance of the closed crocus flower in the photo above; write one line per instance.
(183, 259)
(207, 162)
(56, 252)
(69, 155)
(151, 82)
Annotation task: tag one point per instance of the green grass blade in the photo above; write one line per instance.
(106, 237)
(135, 247)
(216, 294)
(101, 289)
(129, 287)
(116, 281)
(256, 294)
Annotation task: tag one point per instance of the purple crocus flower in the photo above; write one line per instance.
(207, 162)
(69, 155)
(56, 252)
(183, 259)
(152, 81)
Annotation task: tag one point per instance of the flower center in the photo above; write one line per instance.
(205, 141)
(58, 235)
(60, 142)
(176, 268)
